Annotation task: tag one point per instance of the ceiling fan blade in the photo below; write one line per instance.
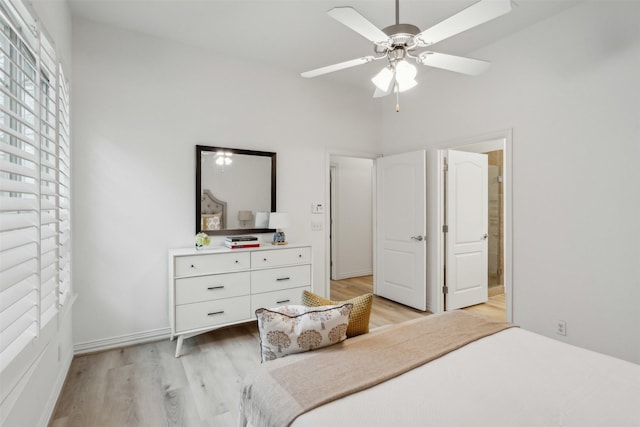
(337, 67)
(476, 14)
(358, 23)
(471, 67)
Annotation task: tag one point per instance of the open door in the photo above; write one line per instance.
(400, 229)
(467, 229)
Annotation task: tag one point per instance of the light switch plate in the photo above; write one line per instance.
(317, 208)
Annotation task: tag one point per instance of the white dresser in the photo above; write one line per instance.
(212, 288)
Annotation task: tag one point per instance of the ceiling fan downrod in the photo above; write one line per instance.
(397, 12)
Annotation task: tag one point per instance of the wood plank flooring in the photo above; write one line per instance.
(495, 308)
(145, 385)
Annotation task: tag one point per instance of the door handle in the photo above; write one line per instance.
(484, 237)
(418, 238)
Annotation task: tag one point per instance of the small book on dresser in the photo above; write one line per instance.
(248, 239)
(239, 242)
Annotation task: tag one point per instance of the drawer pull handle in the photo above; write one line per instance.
(215, 312)
(280, 279)
(264, 259)
(237, 261)
(193, 266)
(215, 287)
(283, 301)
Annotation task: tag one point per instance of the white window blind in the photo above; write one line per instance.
(48, 183)
(34, 193)
(64, 190)
(19, 186)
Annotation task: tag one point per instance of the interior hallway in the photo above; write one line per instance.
(385, 311)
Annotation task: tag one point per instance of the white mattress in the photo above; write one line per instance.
(513, 378)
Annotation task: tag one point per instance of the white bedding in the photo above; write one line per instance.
(513, 378)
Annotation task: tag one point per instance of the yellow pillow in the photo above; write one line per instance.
(359, 318)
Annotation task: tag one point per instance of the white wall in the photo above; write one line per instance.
(568, 89)
(31, 400)
(353, 221)
(141, 105)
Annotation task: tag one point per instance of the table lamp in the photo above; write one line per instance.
(278, 221)
(244, 217)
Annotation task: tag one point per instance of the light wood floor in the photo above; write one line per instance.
(145, 385)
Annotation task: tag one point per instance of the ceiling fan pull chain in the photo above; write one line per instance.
(397, 97)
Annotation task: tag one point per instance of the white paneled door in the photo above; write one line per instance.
(467, 223)
(401, 229)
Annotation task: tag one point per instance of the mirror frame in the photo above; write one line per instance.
(232, 231)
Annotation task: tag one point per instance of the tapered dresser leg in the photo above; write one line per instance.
(179, 345)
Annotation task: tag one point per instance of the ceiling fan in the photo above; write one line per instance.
(399, 42)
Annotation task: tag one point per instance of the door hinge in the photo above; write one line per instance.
(499, 178)
(445, 228)
(445, 289)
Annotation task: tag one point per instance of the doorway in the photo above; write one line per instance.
(495, 263)
(499, 271)
(351, 217)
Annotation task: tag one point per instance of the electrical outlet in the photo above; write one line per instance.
(561, 327)
(316, 226)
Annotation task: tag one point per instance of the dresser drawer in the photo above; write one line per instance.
(278, 257)
(215, 286)
(277, 298)
(211, 313)
(211, 263)
(274, 279)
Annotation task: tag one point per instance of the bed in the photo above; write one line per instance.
(213, 212)
(506, 377)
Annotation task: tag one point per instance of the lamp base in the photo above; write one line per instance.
(278, 238)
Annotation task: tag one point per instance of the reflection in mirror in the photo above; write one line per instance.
(235, 190)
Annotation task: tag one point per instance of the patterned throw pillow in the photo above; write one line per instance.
(295, 328)
(359, 320)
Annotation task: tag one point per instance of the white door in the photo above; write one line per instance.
(400, 229)
(467, 223)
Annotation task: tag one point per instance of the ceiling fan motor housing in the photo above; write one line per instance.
(401, 35)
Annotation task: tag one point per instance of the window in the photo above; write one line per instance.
(34, 183)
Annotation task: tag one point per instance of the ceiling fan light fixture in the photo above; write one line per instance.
(406, 71)
(406, 84)
(383, 79)
(406, 75)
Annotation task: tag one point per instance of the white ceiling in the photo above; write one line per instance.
(298, 35)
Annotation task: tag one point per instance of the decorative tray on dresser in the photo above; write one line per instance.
(211, 288)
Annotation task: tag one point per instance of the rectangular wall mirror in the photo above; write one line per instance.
(235, 190)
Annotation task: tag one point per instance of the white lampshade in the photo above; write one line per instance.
(278, 220)
(383, 79)
(405, 75)
(245, 215)
(262, 219)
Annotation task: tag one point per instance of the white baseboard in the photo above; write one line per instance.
(350, 274)
(121, 341)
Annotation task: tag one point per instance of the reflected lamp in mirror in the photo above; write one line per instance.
(245, 218)
(278, 221)
(262, 220)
